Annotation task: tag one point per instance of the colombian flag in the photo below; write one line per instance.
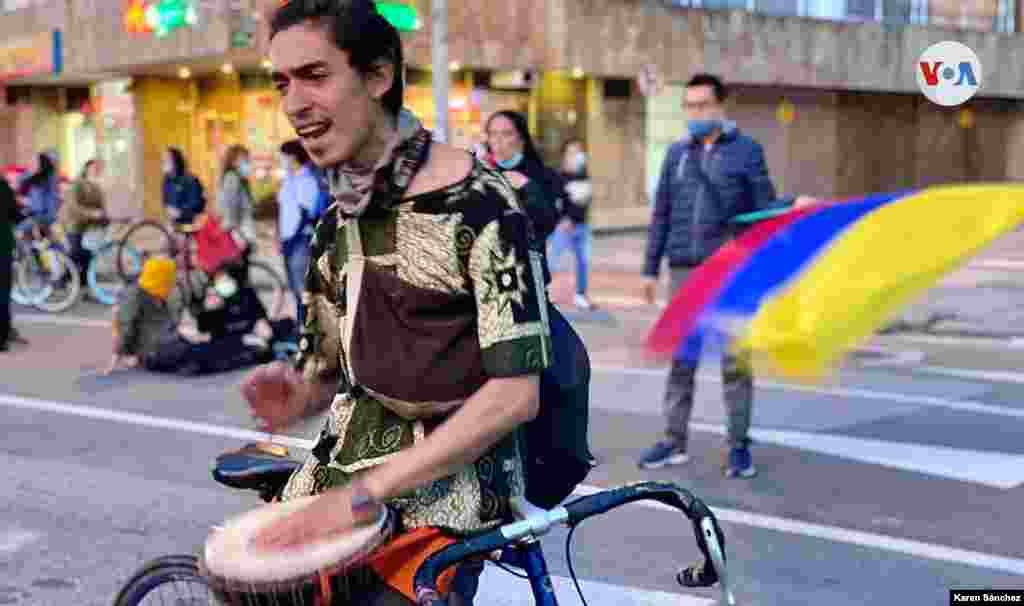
(798, 291)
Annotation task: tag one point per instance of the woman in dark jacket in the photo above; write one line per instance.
(513, 152)
(183, 193)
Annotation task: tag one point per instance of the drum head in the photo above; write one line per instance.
(230, 556)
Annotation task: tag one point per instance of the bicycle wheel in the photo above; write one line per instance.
(270, 286)
(31, 279)
(147, 239)
(65, 281)
(104, 279)
(176, 575)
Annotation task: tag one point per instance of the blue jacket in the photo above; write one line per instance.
(691, 219)
(44, 202)
(185, 194)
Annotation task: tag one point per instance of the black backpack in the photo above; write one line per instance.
(557, 453)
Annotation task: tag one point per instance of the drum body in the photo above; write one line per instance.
(239, 574)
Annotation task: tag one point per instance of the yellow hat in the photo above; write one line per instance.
(158, 277)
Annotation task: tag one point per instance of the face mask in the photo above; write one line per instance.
(579, 161)
(226, 287)
(700, 129)
(512, 162)
(243, 168)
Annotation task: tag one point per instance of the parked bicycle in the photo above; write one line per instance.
(102, 276)
(148, 238)
(45, 276)
(267, 467)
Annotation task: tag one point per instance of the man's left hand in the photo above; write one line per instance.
(328, 516)
(805, 201)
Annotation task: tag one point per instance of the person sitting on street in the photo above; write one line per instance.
(146, 331)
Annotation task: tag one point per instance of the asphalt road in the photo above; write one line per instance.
(894, 484)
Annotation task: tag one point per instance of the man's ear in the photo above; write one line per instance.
(381, 78)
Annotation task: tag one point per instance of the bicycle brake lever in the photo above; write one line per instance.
(707, 527)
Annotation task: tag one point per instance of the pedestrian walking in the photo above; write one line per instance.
(573, 231)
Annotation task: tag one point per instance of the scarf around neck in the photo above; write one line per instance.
(353, 189)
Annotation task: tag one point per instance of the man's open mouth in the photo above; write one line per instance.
(313, 131)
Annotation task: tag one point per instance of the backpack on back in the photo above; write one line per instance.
(557, 453)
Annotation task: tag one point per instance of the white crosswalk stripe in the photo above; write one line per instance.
(15, 539)
(499, 588)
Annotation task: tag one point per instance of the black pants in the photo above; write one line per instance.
(6, 281)
(218, 355)
(79, 254)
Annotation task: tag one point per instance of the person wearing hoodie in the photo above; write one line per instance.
(146, 331)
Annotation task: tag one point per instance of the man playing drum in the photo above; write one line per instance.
(426, 330)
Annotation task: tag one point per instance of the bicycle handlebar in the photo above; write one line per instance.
(709, 536)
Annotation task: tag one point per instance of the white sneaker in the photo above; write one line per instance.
(583, 302)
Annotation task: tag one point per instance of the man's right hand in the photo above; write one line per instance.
(277, 395)
(650, 289)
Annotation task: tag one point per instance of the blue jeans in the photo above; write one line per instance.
(580, 240)
(296, 263)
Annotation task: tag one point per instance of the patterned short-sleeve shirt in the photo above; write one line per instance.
(451, 294)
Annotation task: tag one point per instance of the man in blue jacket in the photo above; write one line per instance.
(710, 176)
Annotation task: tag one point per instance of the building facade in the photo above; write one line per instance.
(827, 86)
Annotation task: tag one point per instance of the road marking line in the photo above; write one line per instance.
(995, 469)
(991, 376)
(62, 320)
(15, 540)
(837, 534)
(499, 588)
(745, 518)
(842, 392)
(151, 421)
(1010, 264)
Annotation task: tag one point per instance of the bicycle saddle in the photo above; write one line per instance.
(257, 466)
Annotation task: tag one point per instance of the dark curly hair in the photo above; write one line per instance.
(355, 27)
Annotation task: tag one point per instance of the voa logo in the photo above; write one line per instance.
(948, 73)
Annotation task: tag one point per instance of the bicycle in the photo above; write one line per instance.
(148, 238)
(45, 276)
(266, 468)
(102, 276)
